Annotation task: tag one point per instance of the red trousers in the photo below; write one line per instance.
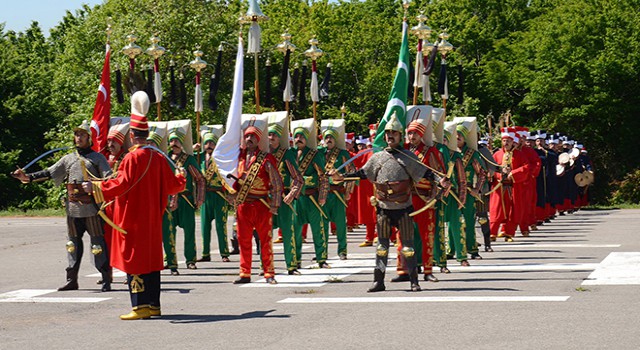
(528, 213)
(255, 215)
(550, 210)
(352, 210)
(426, 222)
(503, 211)
(541, 213)
(371, 232)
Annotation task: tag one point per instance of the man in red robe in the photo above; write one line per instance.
(528, 200)
(366, 214)
(140, 190)
(423, 192)
(352, 207)
(505, 187)
(258, 197)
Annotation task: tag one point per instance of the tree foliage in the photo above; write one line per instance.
(561, 65)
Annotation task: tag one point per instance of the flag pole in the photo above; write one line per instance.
(253, 16)
(444, 47)
(287, 48)
(156, 51)
(198, 64)
(422, 32)
(314, 53)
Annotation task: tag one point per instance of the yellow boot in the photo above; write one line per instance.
(137, 314)
(366, 244)
(154, 311)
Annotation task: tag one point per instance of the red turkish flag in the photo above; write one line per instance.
(102, 109)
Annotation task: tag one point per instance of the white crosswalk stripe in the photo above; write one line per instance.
(618, 268)
(422, 299)
(33, 296)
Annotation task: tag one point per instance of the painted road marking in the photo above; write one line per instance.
(315, 277)
(423, 299)
(32, 296)
(618, 268)
(525, 267)
(548, 245)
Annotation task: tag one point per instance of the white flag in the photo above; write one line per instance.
(197, 100)
(287, 94)
(227, 150)
(315, 93)
(157, 84)
(418, 69)
(426, 88)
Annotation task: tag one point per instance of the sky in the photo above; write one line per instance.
(18, 14)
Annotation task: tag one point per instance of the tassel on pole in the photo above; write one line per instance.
(173, 97)
(267, 90)
(214, 84)
(119, 93)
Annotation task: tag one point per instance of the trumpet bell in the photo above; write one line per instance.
(580, 180)
(564, 158)
(588, 176)
(574, 153)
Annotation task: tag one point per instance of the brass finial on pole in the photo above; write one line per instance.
(198, 64)
(132, 50)
(287, 48)
(444, 47)
(314, 53)
(405, 5)
(156, 51)
(421, 31)
(253, 16)
(108, 30)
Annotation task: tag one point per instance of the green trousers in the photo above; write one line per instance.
(185, 217)
(417, 244)
(284, 221)
(439, 244)
(308, 213)
(169, 240)
(469, 214)
(457, 239)
(337, 213)
(215, 207)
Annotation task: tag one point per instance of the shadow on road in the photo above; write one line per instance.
(183, 318)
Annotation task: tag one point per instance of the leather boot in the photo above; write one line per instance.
(415, 286)
(486, 234)
(72, 281)
(378, 282)
(234, 245)
(107, 278)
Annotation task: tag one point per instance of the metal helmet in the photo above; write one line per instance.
(394, 124)
(84, 126)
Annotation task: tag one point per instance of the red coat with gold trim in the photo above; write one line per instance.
(141, 190)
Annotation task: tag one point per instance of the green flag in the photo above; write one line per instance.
(398, 96)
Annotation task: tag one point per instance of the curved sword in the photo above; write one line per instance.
(160, 151)
(44, 155)
(354, 158)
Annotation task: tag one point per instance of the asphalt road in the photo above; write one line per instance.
(574, 284)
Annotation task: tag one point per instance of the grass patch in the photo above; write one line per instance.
(306, 291)
(32, 213)
(334, 279)
(612, 206)
(580, 289)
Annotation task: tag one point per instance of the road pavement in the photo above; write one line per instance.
(573, 284)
